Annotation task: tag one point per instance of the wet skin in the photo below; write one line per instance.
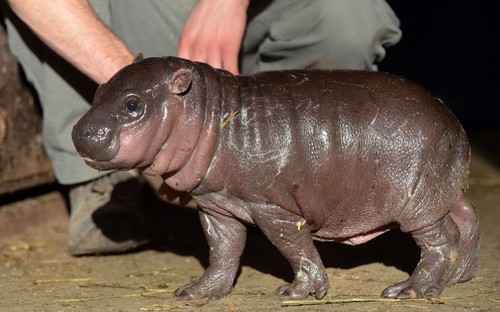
(304, 154)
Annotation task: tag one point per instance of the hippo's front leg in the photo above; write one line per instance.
(226, 238)
(292, 236)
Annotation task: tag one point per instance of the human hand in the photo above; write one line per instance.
(213, 33)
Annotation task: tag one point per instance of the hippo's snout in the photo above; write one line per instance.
(95, 143)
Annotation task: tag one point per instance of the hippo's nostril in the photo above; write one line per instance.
(99, 135)
(87, 132)
(91, 134)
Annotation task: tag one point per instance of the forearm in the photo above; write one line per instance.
(72, 30)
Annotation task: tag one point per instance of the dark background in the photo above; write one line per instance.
(451, 48)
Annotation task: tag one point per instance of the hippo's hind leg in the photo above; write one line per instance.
(464, 215)
(292, 236)
(449, 254)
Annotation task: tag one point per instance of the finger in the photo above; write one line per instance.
(214, 59)
(229, 60)
(230, 64)
(183, 51)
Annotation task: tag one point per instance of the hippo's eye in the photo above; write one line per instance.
(132, 105)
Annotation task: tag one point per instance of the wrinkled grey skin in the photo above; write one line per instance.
(304, 154)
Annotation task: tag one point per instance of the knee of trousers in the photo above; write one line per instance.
(321, 34)
(354, 34)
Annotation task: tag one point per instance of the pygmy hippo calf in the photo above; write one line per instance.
(329, 155)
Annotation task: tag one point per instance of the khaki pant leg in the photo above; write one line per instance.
(320, 34)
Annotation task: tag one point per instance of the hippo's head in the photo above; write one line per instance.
(133, 115)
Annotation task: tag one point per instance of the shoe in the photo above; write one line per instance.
(106, 215)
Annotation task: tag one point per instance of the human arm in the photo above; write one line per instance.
(213, 33)
(71, 29)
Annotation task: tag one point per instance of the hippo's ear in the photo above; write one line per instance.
(138, 57)
(180, 80)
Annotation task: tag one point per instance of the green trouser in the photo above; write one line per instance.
(280, 34)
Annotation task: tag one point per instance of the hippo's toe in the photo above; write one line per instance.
(409, 290)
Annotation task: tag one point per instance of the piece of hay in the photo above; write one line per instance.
(290, 303)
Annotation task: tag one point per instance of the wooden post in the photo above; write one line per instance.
(23, 162)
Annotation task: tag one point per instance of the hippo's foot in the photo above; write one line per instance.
(309, 280)
(203, 289)
(410, 290)
(429, 278)
(449, 254)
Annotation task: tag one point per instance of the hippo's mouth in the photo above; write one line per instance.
(104, 165)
